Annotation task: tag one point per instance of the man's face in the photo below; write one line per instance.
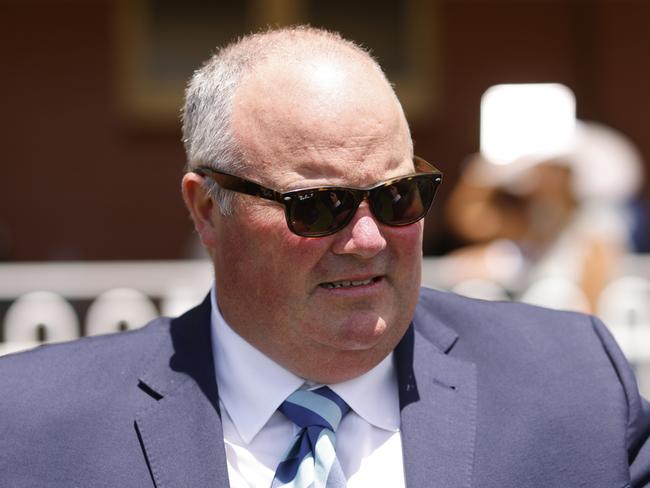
(327, 308)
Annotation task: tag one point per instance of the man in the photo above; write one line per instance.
(318, 283)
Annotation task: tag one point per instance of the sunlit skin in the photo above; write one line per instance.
(320, 122)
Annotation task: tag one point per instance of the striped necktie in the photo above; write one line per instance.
(311, 459)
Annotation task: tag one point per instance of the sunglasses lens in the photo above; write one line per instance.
(404, 201)
(320, 212)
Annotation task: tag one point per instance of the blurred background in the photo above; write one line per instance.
(91, 157)
(91, 89)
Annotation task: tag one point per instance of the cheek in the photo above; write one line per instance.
(263, 252)
(406, 247)
(406, 241)
(284, 249)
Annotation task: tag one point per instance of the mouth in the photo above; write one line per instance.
(330, 285)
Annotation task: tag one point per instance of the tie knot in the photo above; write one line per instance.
(321, 407)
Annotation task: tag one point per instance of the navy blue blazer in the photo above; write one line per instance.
(492, 395)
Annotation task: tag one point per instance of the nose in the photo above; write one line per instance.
(362, 237)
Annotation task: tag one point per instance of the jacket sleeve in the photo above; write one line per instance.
(638, 418)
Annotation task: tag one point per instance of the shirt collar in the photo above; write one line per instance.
(374, 395)
(252, 386)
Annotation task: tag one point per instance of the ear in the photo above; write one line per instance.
(201, 207)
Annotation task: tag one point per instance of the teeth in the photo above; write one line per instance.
(341, 284)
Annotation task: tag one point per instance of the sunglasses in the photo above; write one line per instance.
(322, 211)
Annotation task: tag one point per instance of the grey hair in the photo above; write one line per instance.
(207, 113)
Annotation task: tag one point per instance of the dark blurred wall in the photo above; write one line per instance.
(77, 181)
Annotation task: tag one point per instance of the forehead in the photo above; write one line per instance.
(328, 122)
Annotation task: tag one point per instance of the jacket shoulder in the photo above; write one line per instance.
(472, 318)
(540, 370)
(80, 365)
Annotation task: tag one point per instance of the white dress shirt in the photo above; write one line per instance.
(256, 436)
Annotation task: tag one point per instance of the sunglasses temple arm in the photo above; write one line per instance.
(240, 185)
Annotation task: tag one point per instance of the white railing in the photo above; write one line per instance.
(57, 301)
(89, 279)
(43, 300)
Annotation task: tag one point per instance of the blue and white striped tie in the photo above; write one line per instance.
(311, 459)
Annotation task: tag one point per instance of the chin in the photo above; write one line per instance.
(365, 331)
(345, 365)
(359, 344)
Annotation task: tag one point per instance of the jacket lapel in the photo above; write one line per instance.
(438, 401)
(181, 431)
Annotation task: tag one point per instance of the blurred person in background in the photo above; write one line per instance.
(568, 215)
